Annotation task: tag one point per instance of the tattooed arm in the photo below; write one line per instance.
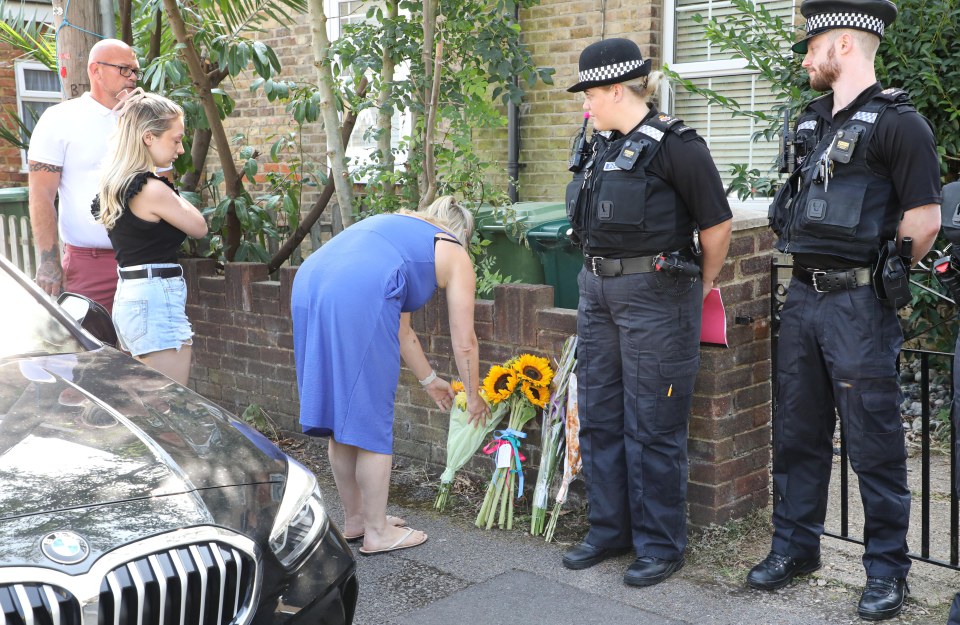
(44, 182)
(455, 274)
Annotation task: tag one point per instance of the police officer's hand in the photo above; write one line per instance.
(478, 410)
(441, 392)
(50, 277)
(707, 287)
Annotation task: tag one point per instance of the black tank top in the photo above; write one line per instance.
(137, 241)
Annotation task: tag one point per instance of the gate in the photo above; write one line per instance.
(946, 555)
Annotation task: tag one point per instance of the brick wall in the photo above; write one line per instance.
(10, 163)
(243, 354)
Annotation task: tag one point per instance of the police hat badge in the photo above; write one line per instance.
(871, 16)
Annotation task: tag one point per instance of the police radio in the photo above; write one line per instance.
(579, 151)
(786, 144)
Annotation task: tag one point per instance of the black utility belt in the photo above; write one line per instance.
(600, 266)
(673, 263)
(828, 280)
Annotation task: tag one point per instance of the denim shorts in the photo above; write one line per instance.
(150, 313)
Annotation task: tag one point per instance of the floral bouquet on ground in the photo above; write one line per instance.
(523, 385)
(463, 440)
(552, 436)
(571, 459)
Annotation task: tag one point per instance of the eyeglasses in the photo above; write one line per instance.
(124, 70)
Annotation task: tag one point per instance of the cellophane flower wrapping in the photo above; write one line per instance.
(552, 439)
(463, 441)
(572, 462)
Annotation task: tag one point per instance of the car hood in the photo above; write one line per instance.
(94, 428)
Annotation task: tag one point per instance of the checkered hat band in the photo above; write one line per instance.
(652, 132)
(810, 125)
(859, 21)
(870, 118)
(608, 72)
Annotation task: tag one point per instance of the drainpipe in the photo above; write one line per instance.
(513, 134)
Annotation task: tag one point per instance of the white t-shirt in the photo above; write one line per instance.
(74, 135)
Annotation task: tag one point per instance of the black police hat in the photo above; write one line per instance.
(609, 62)
(871, 16)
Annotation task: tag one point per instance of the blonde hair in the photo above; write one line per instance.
(646, 87)
(448, 214)
(128, 156)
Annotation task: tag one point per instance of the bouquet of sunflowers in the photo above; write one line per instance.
(463, 440)
(523, 385)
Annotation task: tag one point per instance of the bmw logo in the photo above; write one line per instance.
(64, 547)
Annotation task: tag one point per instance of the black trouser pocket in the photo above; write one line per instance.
(665, 392)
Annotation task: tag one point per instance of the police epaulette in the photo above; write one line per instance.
(894, 94)
(666, 122)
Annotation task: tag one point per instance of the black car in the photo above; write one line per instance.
(127, 499)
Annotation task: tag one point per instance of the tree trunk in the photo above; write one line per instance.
(73, 44)
(126, 21)
(155, 38)
(303, 228)
(234, 186)
(199, 148)
(429, 158)
(429, 32)
(384, 115)
(328, 108)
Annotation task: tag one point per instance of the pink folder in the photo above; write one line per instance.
(713, 330)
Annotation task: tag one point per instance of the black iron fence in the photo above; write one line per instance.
(933, 503)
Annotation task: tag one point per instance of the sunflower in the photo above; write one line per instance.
(499, 383)
(457, 386)
(534, 369)
(538, 395)
(461, 400)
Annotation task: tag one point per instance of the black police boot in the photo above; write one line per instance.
(647, 571)
(777, 570)
(882, 598)
(585, 555)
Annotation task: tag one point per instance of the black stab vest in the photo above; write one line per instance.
(622, 212)
(857, 208)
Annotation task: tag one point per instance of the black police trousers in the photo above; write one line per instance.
(837, 353)
(638, 353)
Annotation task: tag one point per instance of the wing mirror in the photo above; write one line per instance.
(91, 316)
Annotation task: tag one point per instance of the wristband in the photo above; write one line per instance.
(430, 378)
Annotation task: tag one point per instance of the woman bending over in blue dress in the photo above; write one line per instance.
(351, 305)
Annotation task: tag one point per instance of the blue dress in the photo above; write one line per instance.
(346, 303)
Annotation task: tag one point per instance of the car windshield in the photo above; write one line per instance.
(27, 326)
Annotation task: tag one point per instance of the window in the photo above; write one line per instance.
(38, 89)
(362, 144)
(689, 54)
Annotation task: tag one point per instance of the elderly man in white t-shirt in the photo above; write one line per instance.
(66, 150)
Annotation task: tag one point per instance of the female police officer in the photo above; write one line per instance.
(647, 185)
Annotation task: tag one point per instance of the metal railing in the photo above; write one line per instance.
(942, 362)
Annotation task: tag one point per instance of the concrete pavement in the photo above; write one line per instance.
(466, 575)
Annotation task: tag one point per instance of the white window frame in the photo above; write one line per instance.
(30, 95)
(704, 69)
(356, 151)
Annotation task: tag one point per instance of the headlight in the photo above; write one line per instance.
(301, 518)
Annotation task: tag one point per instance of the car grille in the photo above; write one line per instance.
(39, 604)
(201, 584)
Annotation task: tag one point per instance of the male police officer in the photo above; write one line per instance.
(947, 269)
(867, 178)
